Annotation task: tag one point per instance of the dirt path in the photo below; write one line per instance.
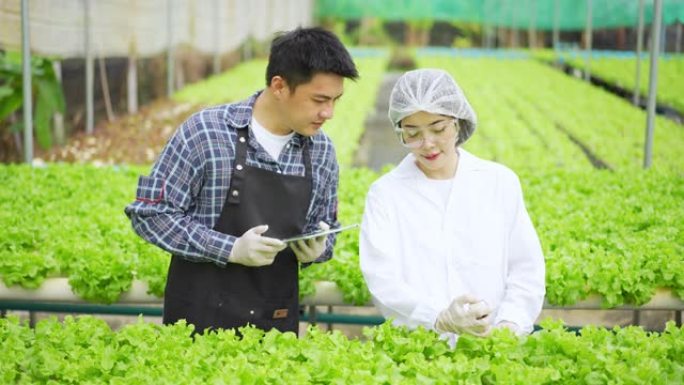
(131, 139)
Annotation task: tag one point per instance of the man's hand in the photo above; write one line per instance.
(252, 249)
(311, 249)
(465, 314)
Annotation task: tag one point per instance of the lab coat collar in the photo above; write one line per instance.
(408, 169)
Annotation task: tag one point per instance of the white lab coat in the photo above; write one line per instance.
(417, 256)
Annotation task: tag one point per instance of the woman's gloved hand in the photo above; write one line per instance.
(465, 314)
(252, 249)
(310, 250)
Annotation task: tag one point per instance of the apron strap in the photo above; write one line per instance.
(241, 162)
(239, 169)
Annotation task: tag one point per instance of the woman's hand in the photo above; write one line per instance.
(466, 314)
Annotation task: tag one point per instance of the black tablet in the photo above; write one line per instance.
(319, 233)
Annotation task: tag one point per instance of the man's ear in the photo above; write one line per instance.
(278, 86)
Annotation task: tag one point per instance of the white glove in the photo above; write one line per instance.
(466, 314)
(251, 249)
(309, 250)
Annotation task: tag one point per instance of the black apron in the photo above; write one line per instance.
(209, 296)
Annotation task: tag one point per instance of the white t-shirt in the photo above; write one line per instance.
(272, 143)
(439, 190)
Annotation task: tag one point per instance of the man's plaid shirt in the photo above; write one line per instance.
(177, 206)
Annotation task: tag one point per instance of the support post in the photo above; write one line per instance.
(105, 89)
(217, 37)
(90, 70)
(639, 47)
(556, 25)
(652, 82)
(58, 118)
(27, 87)
(132, 80)
(170, 68)
(588, 36)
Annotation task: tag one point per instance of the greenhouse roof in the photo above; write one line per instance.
(540, 14)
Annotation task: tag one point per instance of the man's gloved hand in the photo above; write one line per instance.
(466, 314)
(251, 249)
(309, 250)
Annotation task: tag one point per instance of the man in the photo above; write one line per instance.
(235, 179)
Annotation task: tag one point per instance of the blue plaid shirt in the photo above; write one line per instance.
(177, 206)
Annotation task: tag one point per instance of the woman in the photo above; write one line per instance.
(446, 241)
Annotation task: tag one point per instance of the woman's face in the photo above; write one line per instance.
(432, 139)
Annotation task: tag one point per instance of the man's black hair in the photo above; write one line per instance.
(300, 54)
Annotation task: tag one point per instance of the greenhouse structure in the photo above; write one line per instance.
(581, 101)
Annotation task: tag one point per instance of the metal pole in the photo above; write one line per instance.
(32, 319)
(58, 118)
(636, 318)
(247, 45)
(678, 38)
(652, 81)
(26, 82)
(132, 79)
(483, 25)
(514, 28)
(90, 69)
(639, 47)
(170, 70)
(312, 315)
(663, 37)
(104, 82)
(556, 26)
(499, 28)
(588, 33)
(487, 25)
(532, 28)
(330, 311)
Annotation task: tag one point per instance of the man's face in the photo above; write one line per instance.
(311, 104)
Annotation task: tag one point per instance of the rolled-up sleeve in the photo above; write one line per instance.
(324, 207)
(160, 211)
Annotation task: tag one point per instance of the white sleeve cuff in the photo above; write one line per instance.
(520, 318)
(425, 315)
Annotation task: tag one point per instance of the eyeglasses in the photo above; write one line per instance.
(439, 132)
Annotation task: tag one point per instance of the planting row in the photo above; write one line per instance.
(532, 116)
(86, 350)
(618, 234)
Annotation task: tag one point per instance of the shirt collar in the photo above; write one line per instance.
(407, 168)
(240, 115)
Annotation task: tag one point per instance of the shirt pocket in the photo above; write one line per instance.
(150, 189)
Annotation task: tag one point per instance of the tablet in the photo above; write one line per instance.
(319, 233)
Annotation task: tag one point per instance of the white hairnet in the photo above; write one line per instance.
(433, 91)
